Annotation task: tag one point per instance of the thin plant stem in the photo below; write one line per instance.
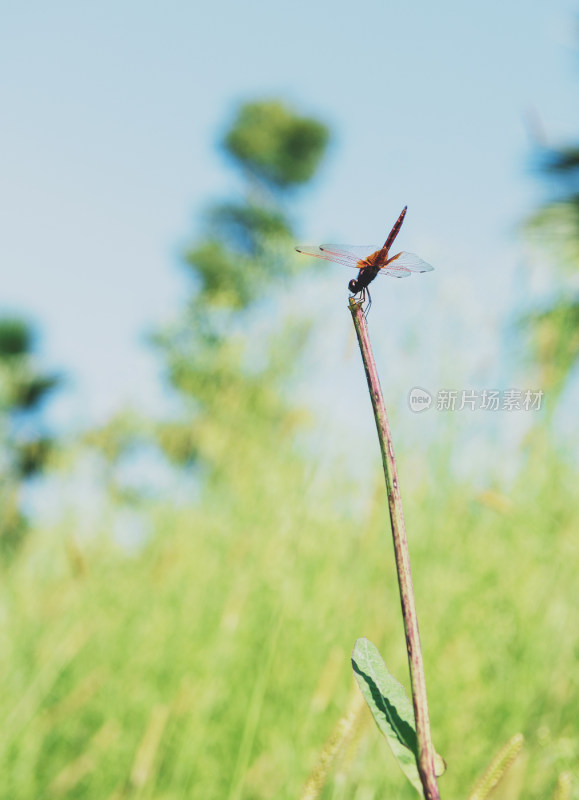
(425, 749)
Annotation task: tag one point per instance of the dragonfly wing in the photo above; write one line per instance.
(396, 272)
(357, 251)
(408, 261)
(317, 252)
(399, 266)
(348, 254)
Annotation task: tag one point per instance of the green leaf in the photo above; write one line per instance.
(391, 709)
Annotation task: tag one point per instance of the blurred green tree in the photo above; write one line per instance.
(216, 358)
(24, 446)
(553, 326)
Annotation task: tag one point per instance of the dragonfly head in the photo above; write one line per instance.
(353, 286)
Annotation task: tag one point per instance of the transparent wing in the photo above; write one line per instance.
(349, 255)
(358, 251)
(396, 272)
(399, 266)
(409, 261)
(317, 252)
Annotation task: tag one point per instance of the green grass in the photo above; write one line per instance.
(215, 663)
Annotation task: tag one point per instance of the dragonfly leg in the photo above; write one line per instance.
(362, 295)
(367, 309)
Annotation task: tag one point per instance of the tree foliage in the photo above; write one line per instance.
(553, 326)
(215, 356)
(25, 446)
(278, 147)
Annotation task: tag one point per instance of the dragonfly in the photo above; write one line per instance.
(370, 261)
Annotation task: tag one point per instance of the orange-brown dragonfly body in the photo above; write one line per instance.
(370, 260)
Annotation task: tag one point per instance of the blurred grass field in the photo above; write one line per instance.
(214, 662)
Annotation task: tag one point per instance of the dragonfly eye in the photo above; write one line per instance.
(353, 286)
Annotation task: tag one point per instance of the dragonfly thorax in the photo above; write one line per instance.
(365, 277)
(377, 259)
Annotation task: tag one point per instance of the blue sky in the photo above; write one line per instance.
(111, 113)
